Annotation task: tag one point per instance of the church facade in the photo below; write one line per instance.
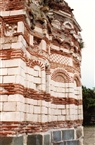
(40, 75)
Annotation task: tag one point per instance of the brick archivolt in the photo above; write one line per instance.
(61, 75)
(76, 78)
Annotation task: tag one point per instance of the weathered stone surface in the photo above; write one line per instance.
(72, 142)
(62, 143)
(67, 134)
(47, 139)
(11, 140)
(56, 136)
(34, 139)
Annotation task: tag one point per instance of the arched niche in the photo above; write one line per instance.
(76, 80)
(68, 25)
(60, 76)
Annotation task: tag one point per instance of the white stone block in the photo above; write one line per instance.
(6, 46)
(59, 89)
(36, 73)
(44, 118)
(31, 39)
(22, 72)
(1, 104)
(72, 106)
(43, 74)
(54, 118)
(39, 102)
(44, 103)
(63, 112)
(4, 13)
(28, 117)
(72, 111)
(37, 80)
(22, 40)
(44, 110)
(61, 106)
(43, 87)
(29, 70)
(61, 118)
(71, 94)
(27, 108)
(49, 118)
(16, 98)
(38, 29)
(58, 112)
(9, 79)
(47, 89)
(17, 45)
(31, 109)
(22, 64)
(43, 81)
(12, 63)
(37, 110)
(3, 98)
(3, 71)
(20, 107)
(34, 102)
(72, 117)
(12, 116)
(9, 106)
(20, 27)
(20, 80)
(1, 79)
(26, 84)
(30, 78)
(38, 87)
(55, 47)
(13, 71)
(2, 63)
(43, 45)
(49, 111)
(67, 117)
(53, 112)
(17, 12)
(80, 116)
(54, 106)
(28, 101)
(35, 118)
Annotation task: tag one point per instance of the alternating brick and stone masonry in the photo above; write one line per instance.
(40, 76)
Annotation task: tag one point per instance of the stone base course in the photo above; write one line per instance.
(52, 137)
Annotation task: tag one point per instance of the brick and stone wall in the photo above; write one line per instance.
(40, 87)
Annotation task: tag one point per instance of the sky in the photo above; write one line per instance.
(84, 12)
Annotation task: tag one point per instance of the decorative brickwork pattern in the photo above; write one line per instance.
(60, 59)
(40, 88)
(61, 75)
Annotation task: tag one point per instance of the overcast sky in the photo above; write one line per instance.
(84, 12)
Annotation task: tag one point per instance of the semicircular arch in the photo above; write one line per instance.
(76, 78)
(61, 75)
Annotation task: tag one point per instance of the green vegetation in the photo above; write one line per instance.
(81, 44)
(88, 106)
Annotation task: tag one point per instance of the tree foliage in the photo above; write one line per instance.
(88, 105)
